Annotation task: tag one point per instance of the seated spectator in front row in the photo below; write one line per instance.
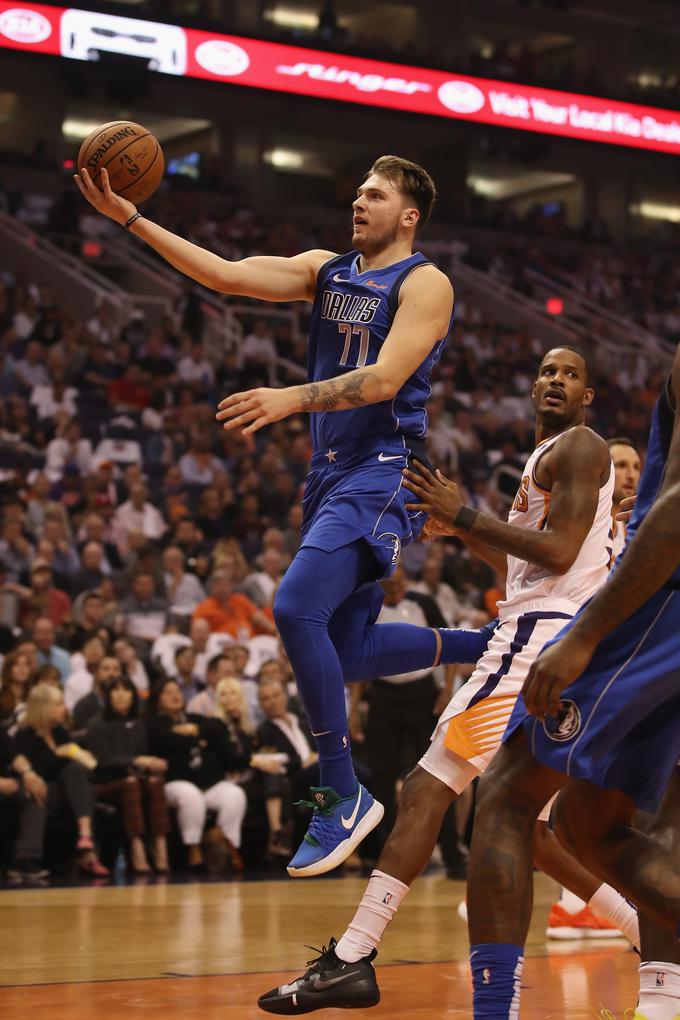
(265, 780)
(63, 766)
(127, 775)
(14, 683)
(23, 790)
(228, 612)
(199, 754)
(83, 663)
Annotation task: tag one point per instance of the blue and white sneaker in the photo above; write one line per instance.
(335, 831)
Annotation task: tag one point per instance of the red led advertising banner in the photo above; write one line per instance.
(86, 35)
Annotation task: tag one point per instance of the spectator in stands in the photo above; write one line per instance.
(90, 704)
(43, 635)
(30, 370)
(265, 779)
(68, 448)
(261, 585)
(40, 502)
(189, 539)
(43, 599)
(199, 466)
(157, 362)
(292, 534)
(89, 612)
(16, 551)
(258, 346)
(93, 529)
(54, 397)
(185, 676)
(198, 754)
(131, 664)
(227, 612)
(195, 368)
(92, 571)
(15, 680)
(23, 791)
(64, 766)
(127, 775)
(220, 666)
(443, 594)
(137, 514)
(215, 511)
(184, 591)
(144, 614)
(55, 529)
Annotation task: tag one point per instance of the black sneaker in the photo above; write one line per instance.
(330, 983)
(25, 870)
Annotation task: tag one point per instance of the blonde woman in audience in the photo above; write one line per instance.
(265, 778)
(63, 767)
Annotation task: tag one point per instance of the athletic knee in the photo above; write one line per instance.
(288, 607)
(422, 793)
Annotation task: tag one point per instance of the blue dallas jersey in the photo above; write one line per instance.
(351, 317)
(663, 418)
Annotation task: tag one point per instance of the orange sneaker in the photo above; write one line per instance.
(582, 925)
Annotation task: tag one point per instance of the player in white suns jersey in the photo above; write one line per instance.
(554, 552)
(627, 467)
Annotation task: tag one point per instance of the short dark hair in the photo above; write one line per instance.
(212, 662)
(574, 350)
(621, 441)
(411, 180)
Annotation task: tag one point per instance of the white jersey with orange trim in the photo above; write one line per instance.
(528, 583)
(538, 605)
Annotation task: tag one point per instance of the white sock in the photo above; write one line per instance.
(659, 991)
(378, 906)
(610, 904)
(571, 902)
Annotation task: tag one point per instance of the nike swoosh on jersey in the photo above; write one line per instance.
(340, 279)
(349, 822)
(382, 457)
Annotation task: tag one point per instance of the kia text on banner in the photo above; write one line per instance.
(170, 49)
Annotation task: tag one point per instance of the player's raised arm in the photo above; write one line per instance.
(265, 277)
(579, 460)
(422, 319)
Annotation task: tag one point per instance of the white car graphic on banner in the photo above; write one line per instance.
(85, 35)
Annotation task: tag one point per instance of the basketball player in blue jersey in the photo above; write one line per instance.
(599, 719)
(380, 316)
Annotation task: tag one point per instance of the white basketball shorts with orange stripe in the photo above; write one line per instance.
(470, 728)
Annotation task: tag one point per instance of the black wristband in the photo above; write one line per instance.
(132, 219)
(465, 518)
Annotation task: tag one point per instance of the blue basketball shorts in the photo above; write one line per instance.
(619, 724)
(353, 493)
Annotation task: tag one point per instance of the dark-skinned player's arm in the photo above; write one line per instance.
(422, 319)
(578, 461)
(652, 556)
(265, 277)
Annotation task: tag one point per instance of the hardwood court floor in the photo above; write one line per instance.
(203, 952)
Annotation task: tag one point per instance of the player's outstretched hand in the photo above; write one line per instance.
(107, 201)
(438, 496)
(554, 669)
(626, 507)
(252, 409)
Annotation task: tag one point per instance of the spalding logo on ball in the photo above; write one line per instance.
(132, 157)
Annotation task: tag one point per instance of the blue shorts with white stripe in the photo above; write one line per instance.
(619, 726)
(355, 491)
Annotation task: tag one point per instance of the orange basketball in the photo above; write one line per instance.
(131, 155)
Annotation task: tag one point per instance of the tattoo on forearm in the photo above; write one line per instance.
(335, 394)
